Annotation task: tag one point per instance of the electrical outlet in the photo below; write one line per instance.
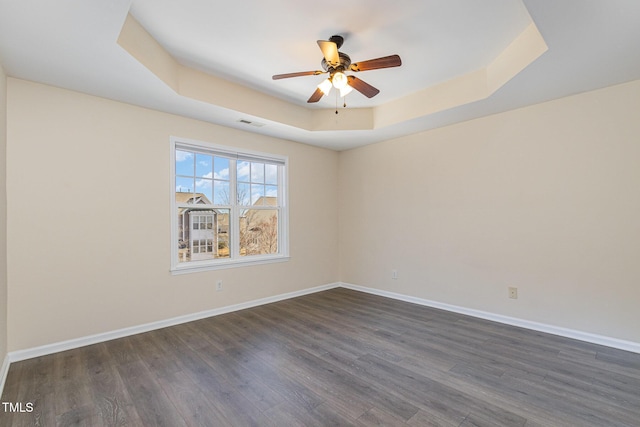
(394, 274)
(513, 292)
(219, 285)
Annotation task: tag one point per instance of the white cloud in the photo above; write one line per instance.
(204, 183)
(183, 155)
(224, 174)
(271, 174)
(243, 171)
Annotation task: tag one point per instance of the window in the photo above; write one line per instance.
(228, 207)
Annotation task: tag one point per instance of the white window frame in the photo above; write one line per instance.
(235, 260)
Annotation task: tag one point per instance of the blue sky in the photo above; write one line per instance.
(210, 175)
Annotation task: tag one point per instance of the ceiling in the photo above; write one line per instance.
(226, 52)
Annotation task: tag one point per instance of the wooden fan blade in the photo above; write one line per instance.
(300, 74)
(330, 52)
(317, 95)
(361, 86)
(374, 64)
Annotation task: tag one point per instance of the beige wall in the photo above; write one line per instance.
(3, 215)
(88, 192)
(544, 198)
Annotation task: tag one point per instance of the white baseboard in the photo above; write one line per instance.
(4, 370)
(541, 327)
(30, 353)
(19, 355)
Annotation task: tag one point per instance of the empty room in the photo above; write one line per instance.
(421, 213)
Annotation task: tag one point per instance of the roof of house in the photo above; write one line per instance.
(192, 198)
(266, 201)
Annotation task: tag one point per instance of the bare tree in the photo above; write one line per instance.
(269, 236)
(258, 232)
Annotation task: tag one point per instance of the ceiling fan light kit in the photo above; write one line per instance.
(344, 91)
(325, 86)
(336, 64)
(339, 80)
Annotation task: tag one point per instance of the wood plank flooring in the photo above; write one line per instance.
(338, 357)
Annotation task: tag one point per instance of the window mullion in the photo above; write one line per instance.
(281, 220)
(234, 227)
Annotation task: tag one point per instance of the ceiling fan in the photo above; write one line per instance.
(336, 64)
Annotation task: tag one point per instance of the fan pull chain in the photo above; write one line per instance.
(344, 104)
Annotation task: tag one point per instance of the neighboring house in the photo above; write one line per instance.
(200, 229)
(203, 232)
(259, 228)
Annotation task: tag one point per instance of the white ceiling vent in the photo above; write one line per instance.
(251, 123)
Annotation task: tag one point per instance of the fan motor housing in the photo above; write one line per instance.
(338, 40)
(345, 62)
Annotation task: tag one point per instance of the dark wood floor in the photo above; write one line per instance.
(338, 357)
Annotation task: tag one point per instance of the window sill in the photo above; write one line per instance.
(195, 266)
